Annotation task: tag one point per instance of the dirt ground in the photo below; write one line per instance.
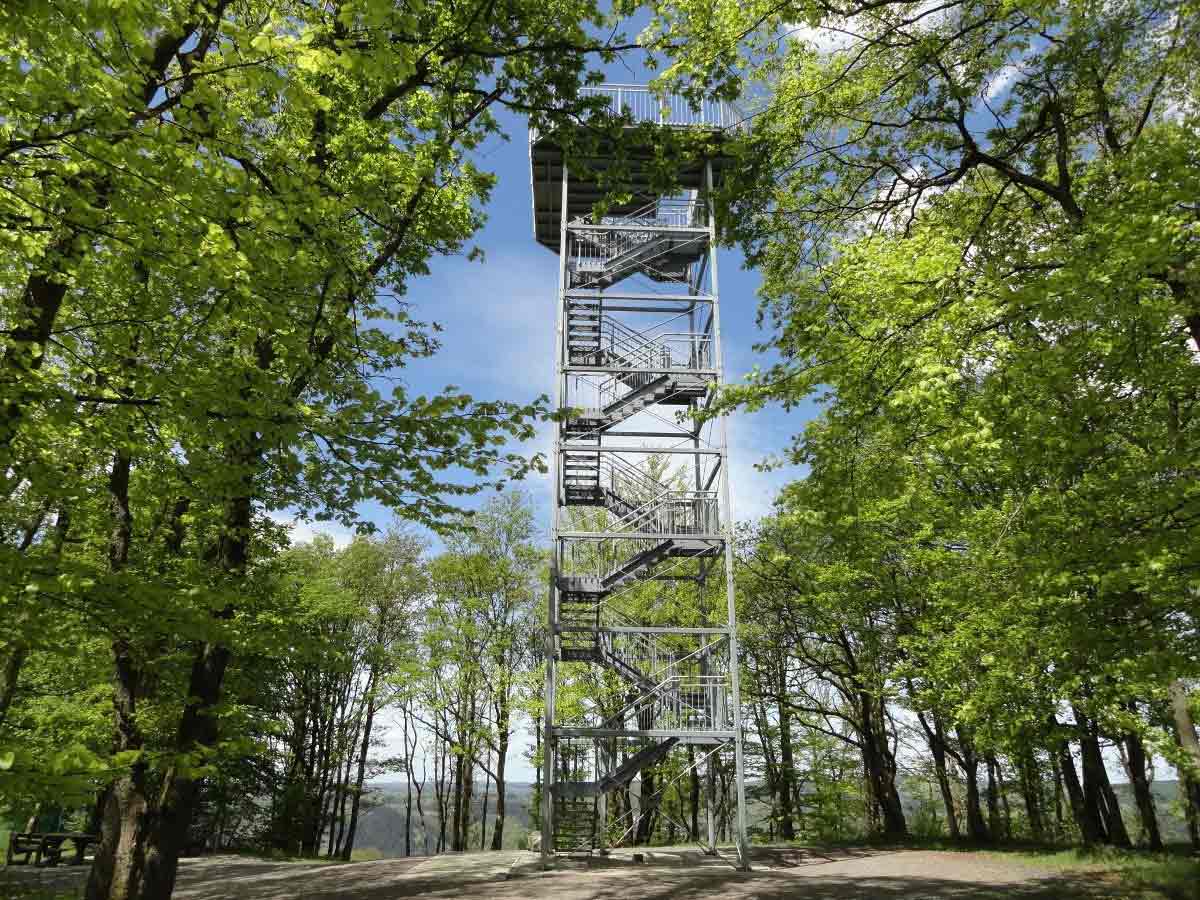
(677, 874)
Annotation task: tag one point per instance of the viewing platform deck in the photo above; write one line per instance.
(642, 106)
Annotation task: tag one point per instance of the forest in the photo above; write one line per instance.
(972, 610)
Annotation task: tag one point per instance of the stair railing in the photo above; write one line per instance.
(658, 351)
(661, 212)
(595, 248)
(686, 703)
(608, 561)
(622, 473)
(648, 657)
(673, 512)
(642, 104)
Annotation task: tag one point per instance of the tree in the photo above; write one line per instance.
(977, 246)
(212, 208)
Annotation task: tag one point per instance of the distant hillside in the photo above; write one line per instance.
(382, 827)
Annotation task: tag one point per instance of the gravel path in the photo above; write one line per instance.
(676, 874)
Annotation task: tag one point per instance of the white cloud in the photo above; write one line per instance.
(820, 38)
(839, 34)
(1002, 81)
(498, 318)
(754, 438)
(301, 532)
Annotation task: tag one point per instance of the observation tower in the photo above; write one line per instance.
(642, 660)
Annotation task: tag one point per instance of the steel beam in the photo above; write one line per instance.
(727, 495)
(639, 536)
(688, 451)
(577, 369)
(591, 293)
(569, 731)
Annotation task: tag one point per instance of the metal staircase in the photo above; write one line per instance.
(660, 241)
(647, 756)
(636, 502)
(575, 817)
(598, 338)
(637, 357)
(633, 393)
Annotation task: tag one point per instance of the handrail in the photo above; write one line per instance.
(658, 351)
(643, 105)
(668, 707)
(661, 515)
(662, 212)
(616, 253)
(631, 472)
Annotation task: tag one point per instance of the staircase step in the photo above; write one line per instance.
(643, 759)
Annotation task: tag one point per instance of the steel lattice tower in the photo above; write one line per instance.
(641, 518)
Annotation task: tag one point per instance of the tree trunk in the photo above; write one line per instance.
(694, 792)
(1059, 822)
(976, 828)
(1031, 793)
(17, 655)
(408, 781)
(936, 738)
(645, 826)
(1135, 756)
(1087, 816)
(993, 797)
(483, 811)
(770, 765)
(340, 796)
(26, 344)
(502, 721)
(444, 791)
(356, 800)
(148, 870)
(880, 766)
(787, 772)
(120, 858)
(1005, 811)
(1098, 794)
(1189, 743)
(1189, 791)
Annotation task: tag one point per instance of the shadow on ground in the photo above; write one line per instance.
(820, 874)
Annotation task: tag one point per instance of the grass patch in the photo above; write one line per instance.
(1173, 873)
(365, 854)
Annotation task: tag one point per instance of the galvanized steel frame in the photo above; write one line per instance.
(560, 536)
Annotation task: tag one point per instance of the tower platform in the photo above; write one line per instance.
(546, 157)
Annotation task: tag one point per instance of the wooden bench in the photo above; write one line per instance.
(47, 849)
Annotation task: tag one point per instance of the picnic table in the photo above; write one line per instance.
(47, 848)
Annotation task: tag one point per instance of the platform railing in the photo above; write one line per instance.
(661, 212)
(679, 703)
(684, 350)
(675, 512)
(643, 105)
